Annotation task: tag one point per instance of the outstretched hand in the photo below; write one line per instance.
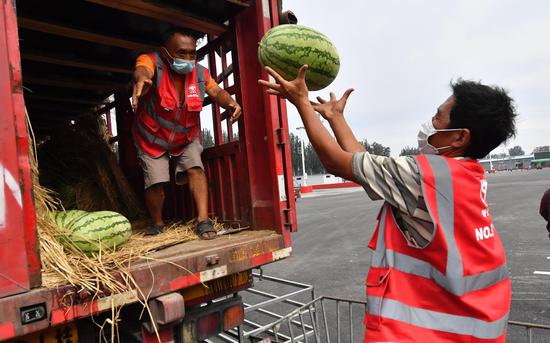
(333, 108)
(141, 87)
(294, 91)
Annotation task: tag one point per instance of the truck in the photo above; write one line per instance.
(61, 61)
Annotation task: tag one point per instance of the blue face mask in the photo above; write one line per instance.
(181, 66)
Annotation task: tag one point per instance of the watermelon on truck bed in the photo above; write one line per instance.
(286, 48)
(92, 231)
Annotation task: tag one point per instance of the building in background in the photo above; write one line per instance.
(542, 157)
(507, 163)
(319, 179)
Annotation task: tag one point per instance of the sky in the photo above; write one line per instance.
(400, 56)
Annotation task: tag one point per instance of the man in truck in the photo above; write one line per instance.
(169, 89)
(438, 270)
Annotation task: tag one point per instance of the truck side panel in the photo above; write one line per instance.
(263, 114)
(19, 260)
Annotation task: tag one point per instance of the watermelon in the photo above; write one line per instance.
(286, 48)
(92, 231)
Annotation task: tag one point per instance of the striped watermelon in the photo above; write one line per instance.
(92, 231)
(286, 48)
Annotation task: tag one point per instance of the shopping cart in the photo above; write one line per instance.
(279, 310)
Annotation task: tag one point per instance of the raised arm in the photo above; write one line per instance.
(333, 112)
(334, 158)
(142, 83)
(222, 98)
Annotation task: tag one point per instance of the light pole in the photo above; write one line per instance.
(304, 174)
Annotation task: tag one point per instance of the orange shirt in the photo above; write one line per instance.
(179, 80)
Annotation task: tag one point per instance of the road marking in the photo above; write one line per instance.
(541, 273)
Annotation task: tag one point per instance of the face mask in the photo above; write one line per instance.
(181, 66)
(426, 131)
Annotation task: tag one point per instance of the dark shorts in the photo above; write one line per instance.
(157, 170)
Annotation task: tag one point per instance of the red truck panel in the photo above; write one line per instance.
(250, 180)
(266, 128)
(19, 261)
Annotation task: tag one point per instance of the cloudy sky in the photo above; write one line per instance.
(400, 56)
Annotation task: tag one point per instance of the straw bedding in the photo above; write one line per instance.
(95, 276)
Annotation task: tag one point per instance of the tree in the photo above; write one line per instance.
(376, 148)
(207, 138)
(296, 154)
(516, 151)
(225, 137)
(313, 163)
(409, 151)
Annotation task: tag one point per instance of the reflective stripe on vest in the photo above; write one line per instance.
(171, 127)
(453, 280)
(434, 320)
(152, 139)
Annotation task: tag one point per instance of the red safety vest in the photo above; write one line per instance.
(163, 123)
(456, 289)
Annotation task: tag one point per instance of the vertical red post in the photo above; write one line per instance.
(265, 128)
(19, 252)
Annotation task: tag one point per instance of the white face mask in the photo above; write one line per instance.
(426, 131)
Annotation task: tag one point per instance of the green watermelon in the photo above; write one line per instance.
(286, 48)
(63, 219)
(92, 231)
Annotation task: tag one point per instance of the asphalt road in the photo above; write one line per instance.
(330, 248)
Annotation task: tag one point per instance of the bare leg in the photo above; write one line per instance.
(198, 184)
(154, 199)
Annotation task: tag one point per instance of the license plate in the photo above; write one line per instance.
(216, 286)
(60, 334)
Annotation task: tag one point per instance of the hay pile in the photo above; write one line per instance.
(79, 165)
(96, 274)
(107, 272)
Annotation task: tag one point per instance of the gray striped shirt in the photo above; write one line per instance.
(397, 181)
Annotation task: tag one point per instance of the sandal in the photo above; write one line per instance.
(154, 230)
(204, 227)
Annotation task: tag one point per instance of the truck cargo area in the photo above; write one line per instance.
(68, 64)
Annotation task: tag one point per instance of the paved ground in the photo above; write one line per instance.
(330, 248)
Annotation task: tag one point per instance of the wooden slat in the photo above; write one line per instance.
(71, 100)
(60, 108)
(226, 72)
(105, 108)
(73, 83)
(65, 31)
(239, 3)
(164, 13)
(71, 62)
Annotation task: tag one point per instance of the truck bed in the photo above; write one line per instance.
(168, 270)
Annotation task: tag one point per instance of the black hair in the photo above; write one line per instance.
(169, 33)
(487, 111)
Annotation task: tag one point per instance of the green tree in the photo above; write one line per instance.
(296, 154)
(207, 138)
(516, 151)
(376, 148)
(313, 163)
(409, 151)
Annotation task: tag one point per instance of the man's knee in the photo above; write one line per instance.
(195, 171)
(155, 188)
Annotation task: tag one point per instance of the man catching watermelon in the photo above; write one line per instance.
(169, 89)
(438, 270)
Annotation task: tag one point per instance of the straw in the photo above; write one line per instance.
(106, 272)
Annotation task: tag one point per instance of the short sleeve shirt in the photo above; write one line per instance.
(146, 62)
(397, 180)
